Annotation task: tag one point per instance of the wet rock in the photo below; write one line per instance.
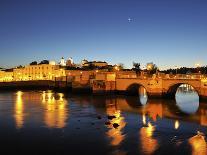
(111, 117)
(99, 117)
(107, 123)
(115, 125)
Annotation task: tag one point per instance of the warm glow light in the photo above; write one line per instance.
(177, 124)
(197, 64)
(56, 113)
(150, 129)
(116, 134)
(19, 117)
(198, 144)
(61, 96)
(144, 119)
(148, 143)
(154, 110)
(43, 97)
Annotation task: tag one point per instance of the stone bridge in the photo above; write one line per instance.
(158, 87)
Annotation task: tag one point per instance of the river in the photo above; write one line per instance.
(47, 122)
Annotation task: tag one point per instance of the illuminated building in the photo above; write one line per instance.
(62, 62)
(37, 72)
(6, 76)
(52, 63)
(97, 64)
(70, 62)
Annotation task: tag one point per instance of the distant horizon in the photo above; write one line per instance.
(141, 65)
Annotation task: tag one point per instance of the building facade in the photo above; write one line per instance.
(38, 72)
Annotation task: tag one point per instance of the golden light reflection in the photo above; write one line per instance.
(198, 144)
(115, 134)
(43, 97)
(144, 119)
(61, 95)
(177, 124)
(154, 110)
(148, 143)
(203, 117)
(56, 113)
(19, 108)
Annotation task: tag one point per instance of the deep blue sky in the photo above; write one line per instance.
(167, 32)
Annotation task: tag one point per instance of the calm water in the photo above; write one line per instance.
(40, 122)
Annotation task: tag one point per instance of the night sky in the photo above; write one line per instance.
(167, 32)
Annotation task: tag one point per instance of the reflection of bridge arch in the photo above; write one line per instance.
(134, 88)
(172, 89)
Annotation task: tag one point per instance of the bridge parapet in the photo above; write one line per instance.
(163, 87)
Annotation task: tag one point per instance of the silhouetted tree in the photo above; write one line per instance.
(33, 63)
(185, 70)
(121, 66)
(136, 67)
(89, 67)
(20, 66)
(44, 62)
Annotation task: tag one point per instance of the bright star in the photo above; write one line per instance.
(129, 19)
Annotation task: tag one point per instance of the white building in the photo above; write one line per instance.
(70, 62)
(62, 62)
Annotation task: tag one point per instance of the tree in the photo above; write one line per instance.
(151, 68)
(20, 66)
(44, 62)
(33, 63)
(121, 66)
(89, 67)
(136, 67)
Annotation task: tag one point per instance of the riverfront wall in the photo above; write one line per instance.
(156, 87)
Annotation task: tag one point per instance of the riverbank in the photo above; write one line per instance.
(37, 85)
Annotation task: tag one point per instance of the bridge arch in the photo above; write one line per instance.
(134, 89)
(172, 89)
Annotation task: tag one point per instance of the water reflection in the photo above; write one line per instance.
(19, 110)
(144, 126)
(148, 143)
(177, 124)
(203, 114)
(187, 99)
(153, 109)
(198, 144)
(143, 95)
(115, 134)
(56, 114)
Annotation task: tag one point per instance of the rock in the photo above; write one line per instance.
(111, 117)
(92, 123)
(115, 125)
(99, 117)
(107, 123)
